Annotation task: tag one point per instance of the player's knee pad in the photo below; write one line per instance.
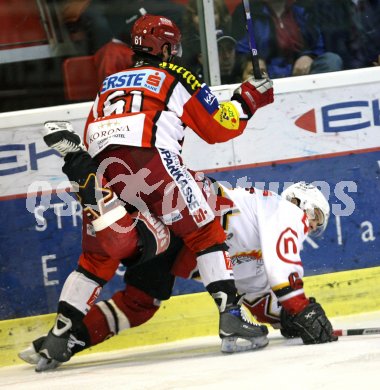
(81, 290)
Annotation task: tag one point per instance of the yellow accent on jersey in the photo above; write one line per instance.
(226, 217)
(280, 286)
(256, 254)
(186, 74)
(228, 116)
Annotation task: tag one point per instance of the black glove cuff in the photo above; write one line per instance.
(239, 98)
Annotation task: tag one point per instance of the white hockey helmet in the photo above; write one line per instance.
(310, 198)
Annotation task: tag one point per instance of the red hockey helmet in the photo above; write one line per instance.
(151, 32)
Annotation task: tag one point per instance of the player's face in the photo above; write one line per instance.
(227, 56)
(317, 221)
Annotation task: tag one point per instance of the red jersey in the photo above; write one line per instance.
(150, 105)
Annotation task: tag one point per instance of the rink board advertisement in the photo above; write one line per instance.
(334, 144)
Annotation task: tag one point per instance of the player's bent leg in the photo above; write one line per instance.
(147, 284)
(237, 332)
(68, 334)
(74, 332)
(116, 231)
(79, 293)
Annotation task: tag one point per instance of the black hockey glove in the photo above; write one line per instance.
(311, 324)
(288, 329)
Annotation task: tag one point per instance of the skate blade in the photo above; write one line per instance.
(235, 344)
(46, 364)
(29, 355)
(51, 126)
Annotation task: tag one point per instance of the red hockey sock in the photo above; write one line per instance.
(97, 326)
(127, 309)
(138, 306)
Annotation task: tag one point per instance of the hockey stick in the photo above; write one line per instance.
(251, 40)
(356, 332)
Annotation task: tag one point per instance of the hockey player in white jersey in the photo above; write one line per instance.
(265, 234)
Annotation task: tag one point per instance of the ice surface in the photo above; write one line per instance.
(351, 363)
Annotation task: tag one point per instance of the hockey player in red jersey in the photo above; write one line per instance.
(134, 133)
(136, 127)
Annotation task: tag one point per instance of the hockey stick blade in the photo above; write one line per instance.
(251, 40)
(357, 332)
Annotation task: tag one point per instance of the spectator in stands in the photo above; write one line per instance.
(228, 61)
(351, 29)
(287, 38)
(341, 30)
(246, 67)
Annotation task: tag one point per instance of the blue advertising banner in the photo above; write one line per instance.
(40, 247)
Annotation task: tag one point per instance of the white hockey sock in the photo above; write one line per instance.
(80, 292)
(215, 266)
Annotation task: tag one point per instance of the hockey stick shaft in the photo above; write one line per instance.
(251, 40)
(356, 332)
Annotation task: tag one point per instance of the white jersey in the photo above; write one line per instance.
(265, 234)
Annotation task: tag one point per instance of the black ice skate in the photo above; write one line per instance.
(31, 355)
(50, 351)
(237, 332)
(61, 136)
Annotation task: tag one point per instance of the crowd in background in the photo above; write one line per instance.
(293, 37)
